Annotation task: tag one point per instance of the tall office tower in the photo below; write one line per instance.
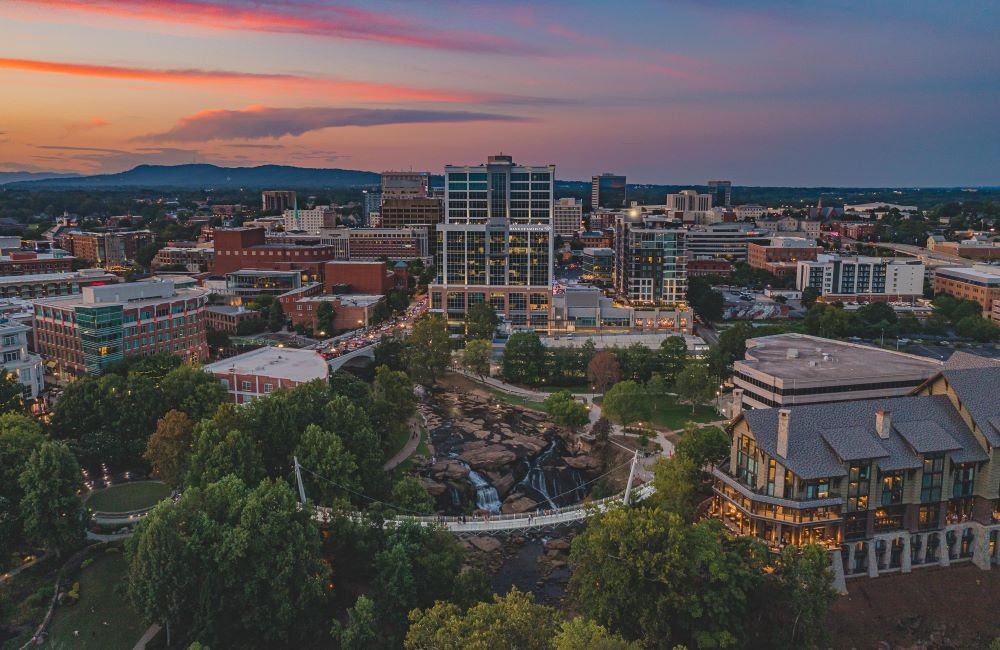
(277, 200)
(608, 191)
(722, 191)
(689, 201)
(373, 201)
(567, 217)
(650, 260)
(499, 190)
(405, 184)
(496, 243)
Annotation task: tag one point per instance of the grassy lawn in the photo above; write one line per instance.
(128, 496)
(103, 618)
(514, 400)
(672, 415)
(403, 468)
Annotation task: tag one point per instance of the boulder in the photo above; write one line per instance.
(557, 544)
(450, 470)
(434, 488)
(491, 456)
(485, 543)
(583, 463)
(518, 503)
(504, 484)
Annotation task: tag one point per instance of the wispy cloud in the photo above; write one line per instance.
(357, 90)
(318, 19)
(87, 125)
(257, 122)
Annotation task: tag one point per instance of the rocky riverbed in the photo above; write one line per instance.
(494, 457)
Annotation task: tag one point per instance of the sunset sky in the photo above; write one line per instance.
(769, 92)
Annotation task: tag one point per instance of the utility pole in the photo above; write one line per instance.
(631, 476)
(298, 479)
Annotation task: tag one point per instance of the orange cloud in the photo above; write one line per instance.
(358, 90)
(88, 125)
(307, 18)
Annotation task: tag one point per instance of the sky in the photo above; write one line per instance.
(761, 92)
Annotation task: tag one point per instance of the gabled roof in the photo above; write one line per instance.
(822, 437)
(975, 380)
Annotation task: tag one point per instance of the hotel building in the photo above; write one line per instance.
(862, 278)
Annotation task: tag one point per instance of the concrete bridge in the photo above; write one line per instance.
(366, 352)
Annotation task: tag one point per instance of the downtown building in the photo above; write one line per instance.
(608, 191)
(496, 243)
(862, 279)
(85, 334)
(567, 217)
(650, 260)
(724, 241)
(887, 485)
(106, 249)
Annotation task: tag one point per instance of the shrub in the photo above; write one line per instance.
(86, 563)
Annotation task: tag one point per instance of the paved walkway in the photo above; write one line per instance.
(13, 572)
(153, 630)
(408, 449)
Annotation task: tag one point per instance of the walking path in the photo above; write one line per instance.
(153, 630)
(13, 572)
(408, 449)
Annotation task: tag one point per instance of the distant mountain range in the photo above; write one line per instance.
(200, 176)
(17, 177)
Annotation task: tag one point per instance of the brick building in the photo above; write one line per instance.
(84, 334)
(351, 311)
(362, 277)
(227, 318)
(44, 285)
(703, 268)
(980, 283)
(261, 372)
(190, 257)
(106, 249)
(247, 248)
(781, 255)
(32, 263)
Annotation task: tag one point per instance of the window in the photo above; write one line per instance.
(746, 461)
(928, 516)
(244, 385)
(964, 476)
(225, 383)
(892, 488)
(933, 476)
(858, 481)
(771, 472)
(13, 355)
(819, 489)
(268, 388)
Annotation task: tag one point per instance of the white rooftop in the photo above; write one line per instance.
(280, 363)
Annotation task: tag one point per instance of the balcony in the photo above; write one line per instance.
(753, 495)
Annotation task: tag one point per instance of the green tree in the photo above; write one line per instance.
(671, 357)
(695, 385)
(677, 481)
(476, 357)
(362, 629)
(325, 315)
(410, 494)
(634, 569)
(168, 447)
(523, 358)
(874, 313)
(20, 435)
(471, 586)
(626, 402)
(510, 621)
(332, 470)
(393, 403)
(807, 579)
(230, 566)
(603, 370)
(51, 511)
(566, 411)
(809, 296)
(733, 342)
(584, 634)
(481, 321)
(11, 394)
(218, 452)
(656, 389)
(391, 351)
(704, 445)
(192, 391)
(978, 328)
(428, 349)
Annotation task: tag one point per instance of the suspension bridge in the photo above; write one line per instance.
(493, 522)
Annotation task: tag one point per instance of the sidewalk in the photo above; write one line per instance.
(408, 449)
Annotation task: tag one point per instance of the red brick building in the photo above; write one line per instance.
(246, 248)
(261, 372)
(782, 255)
(362, 277)
(32, 263)
(701, 268)
(226, 318)
(351, 311)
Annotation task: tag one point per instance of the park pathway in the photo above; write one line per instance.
(411, 446)
(153, 630)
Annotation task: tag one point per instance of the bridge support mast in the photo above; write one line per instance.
(298, 480)
(631, 477)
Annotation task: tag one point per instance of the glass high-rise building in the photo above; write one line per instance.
(496, 243)
(608, 191)
(722, 193)
(650, 260)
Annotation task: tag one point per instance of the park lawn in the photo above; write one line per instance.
(99, 603)
(672, 415)
(128, 496)
(514, 400)
(403, 468)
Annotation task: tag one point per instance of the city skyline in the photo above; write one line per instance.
(764, 93)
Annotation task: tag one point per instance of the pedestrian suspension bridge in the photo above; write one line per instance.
(492, 522)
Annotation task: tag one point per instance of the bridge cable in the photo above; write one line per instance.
(365, 496)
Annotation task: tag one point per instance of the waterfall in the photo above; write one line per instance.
(536, 478)
(556, 488)
(487, 497)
